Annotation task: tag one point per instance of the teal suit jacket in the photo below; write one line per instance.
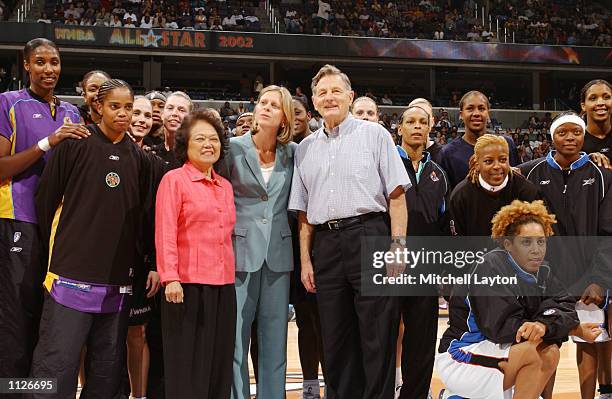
(262, 230)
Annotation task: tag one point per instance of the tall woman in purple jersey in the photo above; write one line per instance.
(32, 122)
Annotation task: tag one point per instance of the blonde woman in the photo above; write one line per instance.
(489, 185)
(260, 167)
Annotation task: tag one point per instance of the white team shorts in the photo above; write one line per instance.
(471, 380)
(591, 314)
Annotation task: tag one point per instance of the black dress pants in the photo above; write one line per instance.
(359, 332)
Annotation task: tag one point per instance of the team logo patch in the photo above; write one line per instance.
(543, 182)
(548, 312)
(588, 182)
(112, 179)
(16, 236)
(434, 176)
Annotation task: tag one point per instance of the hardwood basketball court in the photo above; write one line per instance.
(566, 386)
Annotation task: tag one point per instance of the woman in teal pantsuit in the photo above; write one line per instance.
(260, 167)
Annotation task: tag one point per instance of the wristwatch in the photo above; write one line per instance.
(398, 241)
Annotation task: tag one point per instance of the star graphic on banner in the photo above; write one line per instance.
(150, 39)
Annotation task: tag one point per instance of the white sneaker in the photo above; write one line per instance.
(310, 395)
(290, 313)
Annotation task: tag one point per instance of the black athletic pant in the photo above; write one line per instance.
(21, 294)
(63, 332)
(420, 316)
(155, 384)
(310, 344)
(359, 332)
(199, 336)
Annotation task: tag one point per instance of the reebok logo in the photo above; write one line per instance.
(434, 177)
(16, 249)
(588, 182)
(113, 158)
(36, 116)
(544, 182)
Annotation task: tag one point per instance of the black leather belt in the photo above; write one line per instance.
(340, 224)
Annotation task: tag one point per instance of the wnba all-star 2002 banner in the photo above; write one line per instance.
(305, 45)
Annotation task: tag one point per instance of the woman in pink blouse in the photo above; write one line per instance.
(195, 217)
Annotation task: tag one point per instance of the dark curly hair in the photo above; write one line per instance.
(184, 132)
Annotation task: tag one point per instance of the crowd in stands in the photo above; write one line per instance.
(560, 22)
(4, 9)
(574, 23)
(239, 15)
(531, 21)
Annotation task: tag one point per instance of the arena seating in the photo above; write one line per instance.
(239, 15)
(562, 22)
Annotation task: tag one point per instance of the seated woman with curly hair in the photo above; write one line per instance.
(503, 340)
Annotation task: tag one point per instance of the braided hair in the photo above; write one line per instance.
(111, 85)
(482, 142)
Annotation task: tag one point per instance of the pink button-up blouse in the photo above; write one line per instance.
(194, 220)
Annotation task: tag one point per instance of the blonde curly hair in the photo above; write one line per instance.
(509, 219)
